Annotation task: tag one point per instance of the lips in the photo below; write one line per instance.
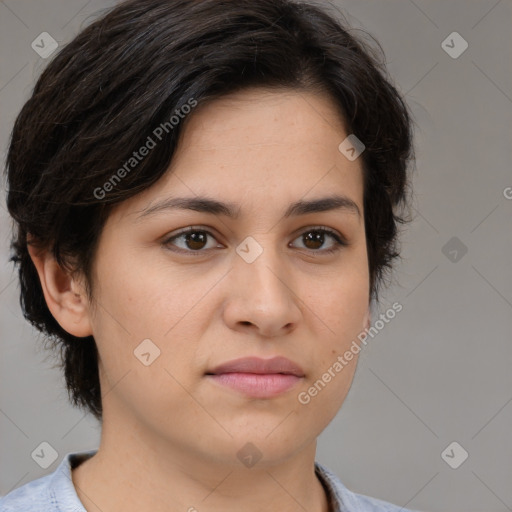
(276, 365)
(257, 378)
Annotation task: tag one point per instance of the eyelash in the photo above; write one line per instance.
(339, 242)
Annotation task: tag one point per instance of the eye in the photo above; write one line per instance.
(195, 240)
(314, 239)
(192, 240)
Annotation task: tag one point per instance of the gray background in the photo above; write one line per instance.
(439, 372)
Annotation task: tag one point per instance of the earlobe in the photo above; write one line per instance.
(367, 319)
(64, 295)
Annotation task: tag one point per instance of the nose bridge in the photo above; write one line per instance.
(262, 294)
(260, 267)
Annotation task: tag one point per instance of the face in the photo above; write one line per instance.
(260, 282)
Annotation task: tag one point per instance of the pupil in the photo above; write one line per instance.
(317, 238)
(195, 240)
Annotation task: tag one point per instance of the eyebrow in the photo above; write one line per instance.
(232, 210)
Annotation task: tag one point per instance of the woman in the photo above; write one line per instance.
(206, 196)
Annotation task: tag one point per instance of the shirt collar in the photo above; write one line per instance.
(63, 492)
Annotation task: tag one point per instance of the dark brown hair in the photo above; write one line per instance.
(134, 68)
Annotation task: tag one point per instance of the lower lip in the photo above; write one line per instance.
(257, 385)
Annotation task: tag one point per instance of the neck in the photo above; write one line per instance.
(130, 474)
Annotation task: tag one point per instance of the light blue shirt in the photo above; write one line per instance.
(56, 493)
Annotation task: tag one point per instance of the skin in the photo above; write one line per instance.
(175, 432)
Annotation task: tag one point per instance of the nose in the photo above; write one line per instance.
(261, 296)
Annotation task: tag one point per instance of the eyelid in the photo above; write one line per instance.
(326, 229)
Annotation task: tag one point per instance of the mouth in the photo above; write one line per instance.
(258, 378)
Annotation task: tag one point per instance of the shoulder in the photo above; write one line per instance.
(344, 500)
(51, 493)
(31, 496)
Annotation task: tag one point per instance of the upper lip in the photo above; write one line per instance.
(259, 366)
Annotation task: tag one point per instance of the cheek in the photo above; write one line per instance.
(341, 304)
(139, 297)
(139, 302)
(339, 311)
(139, 334)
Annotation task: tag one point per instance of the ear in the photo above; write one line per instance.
(64, 295)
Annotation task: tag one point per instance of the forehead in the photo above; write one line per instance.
(259, 147)
(255, 118)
